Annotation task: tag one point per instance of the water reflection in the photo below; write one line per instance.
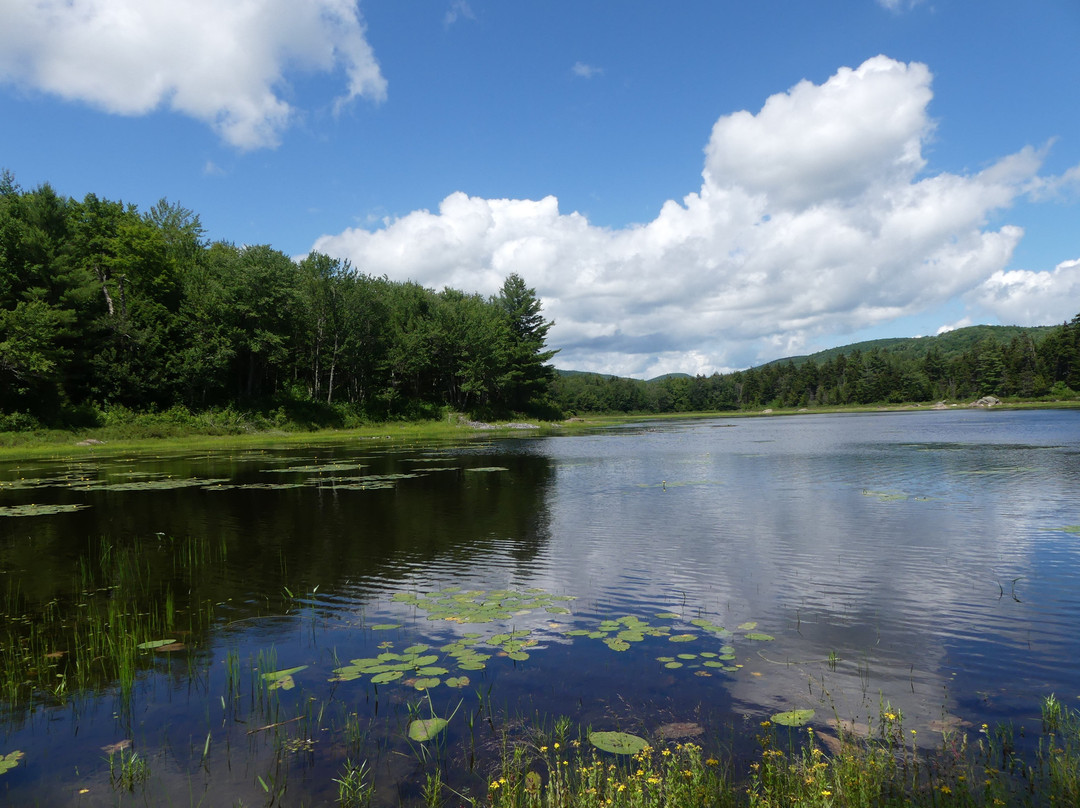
(915, 557)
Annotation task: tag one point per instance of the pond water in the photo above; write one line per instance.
(222, 615)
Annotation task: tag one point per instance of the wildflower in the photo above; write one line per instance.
(555, 745)
(891, 716)
(494, 785)
(766, 724)
(543, 748)
(653, 780)
(711, 762)
(946, 790)
(826, 793)
(666, 753)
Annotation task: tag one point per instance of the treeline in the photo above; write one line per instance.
(102, 306)
(1032, 364)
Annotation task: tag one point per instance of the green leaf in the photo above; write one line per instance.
(388, 676)
(618, 743)
(682, 637)
(150, 645)
(759, 637)
(424, 729)
(10, 760)
(792, 718)
(282, 680)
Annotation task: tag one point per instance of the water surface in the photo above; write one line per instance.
(923, 558)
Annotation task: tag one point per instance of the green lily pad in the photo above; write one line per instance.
(518, 656)
(282, 680)
(10, 760)
(617, 645)
(150, 645)
(618, 743)
(759, 637)
(385, 626)
(38, 510)
(427, 683)
(682, 637)
(457, 681)
(388, 676)
(688, 656)
(750, 626)
(792, 718)
(667, 616)
(673, 664)
(424, 729)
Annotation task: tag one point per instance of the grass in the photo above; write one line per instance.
(795, 768)
(118, 610)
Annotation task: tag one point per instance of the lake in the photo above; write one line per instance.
(245, 622)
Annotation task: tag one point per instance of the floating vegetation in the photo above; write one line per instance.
(792, 718)
(424, 729)
(150, 645)
(1070, 529)
(38, 510)
(885, 496)
(478, 606)
(617, 743)
(283, 679)
(10, 760)
(316, 469)
(154, 485)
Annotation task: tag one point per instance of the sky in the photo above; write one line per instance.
(689, 187)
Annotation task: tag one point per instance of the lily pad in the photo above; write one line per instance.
(38, 510)
(457, 681)
(282, 680)
(150, 645)
(759, 637)
(385, 626)
(424, 729)
(10, 760)
(388, 676)
(682, 637)
(793, 718)
(618, 743)
(427, 683)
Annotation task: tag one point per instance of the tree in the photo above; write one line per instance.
(527, 379)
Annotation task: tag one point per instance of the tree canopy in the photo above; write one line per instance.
(101, 305)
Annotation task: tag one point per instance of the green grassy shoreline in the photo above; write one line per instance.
(156, 433)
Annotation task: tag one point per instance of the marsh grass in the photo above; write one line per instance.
(113, 623)
(794, 767)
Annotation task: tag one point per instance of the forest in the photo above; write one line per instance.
(962, 365)
(104, 308)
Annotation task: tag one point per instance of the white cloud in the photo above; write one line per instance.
(586, 71)
(814, 217)
(219, 61)
(1024, 297)
(458, 9)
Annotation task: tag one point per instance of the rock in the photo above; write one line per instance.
(90, 442)
(987, 401)
(941, 405)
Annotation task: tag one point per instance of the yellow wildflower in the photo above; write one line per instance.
(826, 793)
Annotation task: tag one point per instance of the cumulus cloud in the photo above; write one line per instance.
(223, 62)
(1024, 297)
(814, 217)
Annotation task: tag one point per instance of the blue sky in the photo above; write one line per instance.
(690, 187)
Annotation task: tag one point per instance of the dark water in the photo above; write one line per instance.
(926, 553)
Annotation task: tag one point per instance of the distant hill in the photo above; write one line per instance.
(951, 344)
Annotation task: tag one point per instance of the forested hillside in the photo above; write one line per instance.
(102, 307)
(965, 364)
